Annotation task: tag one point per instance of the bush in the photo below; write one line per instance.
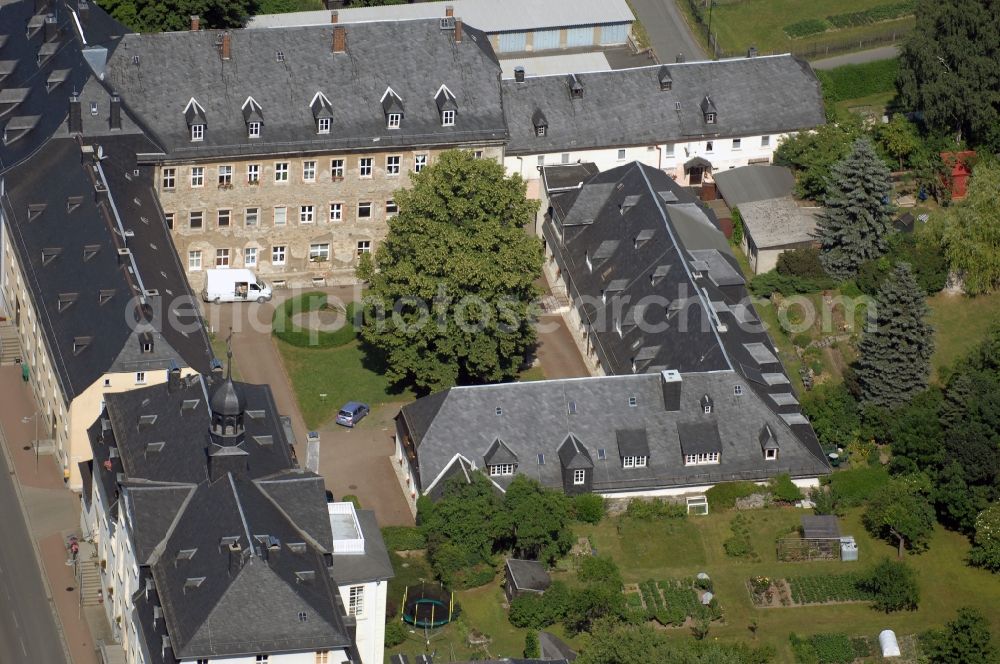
(473, 577)
(724, 496)
(804, 28)
(738, 546)
(854, 81)
(784, 489)
(538, 611)
(768, 283)
(894, 586)
(588, 507)
(284, 327)
(531, 647)
(822, 649)
(600, 569)
(351, 498)
(403, 538)
(395, 633)
(803, 263)
(656, 508)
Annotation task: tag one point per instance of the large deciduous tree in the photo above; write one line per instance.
(894, 355)
(972, 231)
(453, 284)
(965, 640)
(858, 219)
(165, 15)
(538, 520)
(948, 70)
(811, 154)
(901, 513)
(986, 552)
(893, 585)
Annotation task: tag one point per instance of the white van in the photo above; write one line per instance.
(238, 285)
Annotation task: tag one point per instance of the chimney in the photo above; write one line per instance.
(340, 39)
(227, 45)
(752, 52)
(51, 27)
(83, 10)
(670, 381)
(174, 381)
(334, 17)
(449, 10)
(75, 115)
(116, 111)
(680, 57)
(195, 23)
(458, 31)
(235, 558)
(519, 74)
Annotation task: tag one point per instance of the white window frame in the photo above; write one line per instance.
(201, 220)
(502, 470)
(770, 454)
(225, 175)
(668, 150)
(393, 120)
(579, 477)
(709, 147)
(323, 126)
(365, 167)
(250, 257)
(371, 209)
(251, 214)
(307, 214)
(253, 172)
(392, 164)
(419, 162)
(194, 260)
(140, 377)
(364, 247)
(169, 217)
(336, 212)
(448, 118)
(279, 254)
(253, 129)
(283, 215)
(391, 209)
(197, 132)
(309, 171)
(710, 118)
(765, 141)
(737, 390)
(319, 251)
(356, 601)
(634, 462)
(702, 459)
(737, 144)
(707, 409)
(281, 171)
(223, 259)
(197, 176)
(337, 168)
(226, 214)
(621, 154)
(169, 178)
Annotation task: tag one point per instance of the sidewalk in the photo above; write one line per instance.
(52, 510)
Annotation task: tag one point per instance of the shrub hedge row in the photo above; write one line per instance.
(806, 27)
(873, 14)
(285, 328)
(854, 81)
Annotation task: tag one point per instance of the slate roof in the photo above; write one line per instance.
(39, 87)
(536, 420)
(487, 15)
(174, 68)
(753, 183)
(753, 96)
(528, 574)
(275, 590)
(779, 222)
(95, 308)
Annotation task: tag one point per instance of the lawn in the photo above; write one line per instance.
(324, 379)
(960, 322)
(738, 24)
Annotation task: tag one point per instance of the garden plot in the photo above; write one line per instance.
(672, 602)
(806, 590)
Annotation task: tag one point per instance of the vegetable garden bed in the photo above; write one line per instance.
(671, 602)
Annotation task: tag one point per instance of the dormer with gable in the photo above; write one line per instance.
(768, 443)
(322, 112)
(392, 107)
(540, 123)
(708, 110)
(447, 106)
(575, 87)
(666, 82)
(253, 117)
(500, 460)
(707, 405)
(577, 466)
(194, 116)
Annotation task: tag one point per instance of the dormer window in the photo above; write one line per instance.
(770, 455)
(540, 123)
(737, 390)
(708, 110)
(447, 106)
(666, 83)
(194, 115)
(323, 125)
(502, 470)
(253, 116)
(706, 405)
(575, 87)
(710, 118)
(447, 118)
(392, 106)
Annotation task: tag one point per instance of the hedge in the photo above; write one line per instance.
(856, 81)
(723, 496)
(809, 26)
(403, 538)
(284, 327)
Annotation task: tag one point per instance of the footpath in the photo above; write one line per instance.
(52, 513)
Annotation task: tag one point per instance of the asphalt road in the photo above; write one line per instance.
(27, 627)
(861, 57)
(668, 32)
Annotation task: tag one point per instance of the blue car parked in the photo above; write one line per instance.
(351, 413)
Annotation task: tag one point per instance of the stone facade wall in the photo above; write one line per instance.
(317, 249)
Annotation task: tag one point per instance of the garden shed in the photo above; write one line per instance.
(820, 526)
(525, 576)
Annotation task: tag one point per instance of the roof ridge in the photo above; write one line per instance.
(663, 64)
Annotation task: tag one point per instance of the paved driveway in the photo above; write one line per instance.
(668, 31)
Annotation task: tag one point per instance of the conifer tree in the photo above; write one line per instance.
(894, 356)
(856, 225)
